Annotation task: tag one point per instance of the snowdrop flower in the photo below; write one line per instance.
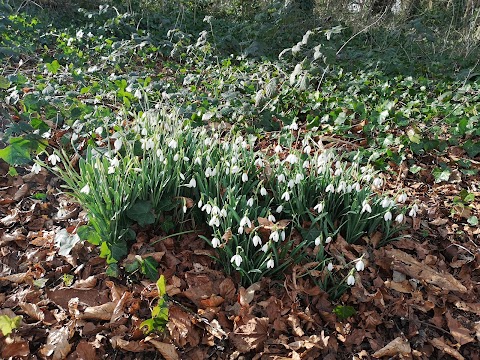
(192, 183)
(215, 242)
(283, 235)
(36, 168)
(235, 169)
(338, 172)
(173, 144)
(207, 208)
(399, 218)
(250, 202)
(117, 145)
(286, 196)
(330, 188)
(138, 94)
(306, 164)
(244, 177)
(317, 241)
(214, 221)
(259, 162)
(291, 184)
(377, 182)
(147, 144)
(271, 218)
(184, 209)
(279, 209)
(237, 259)
(265, 248)
(176, 157)
(386, 202)
(342, 186)
(200, 203)
(85, 189)
(223, 213)
(402, 198)
(319, 207)
(356, 186)
(351, 280)
(366, 207)
(293, 126)
(277, 149)
(54, 159)
(298, 178)
(291, 158)
(360, 265)
(245, 221)
(197, 161)
(328, 240)
(270, 264)
(330, 266)
(413, 210)
(256, 240)
(307, 149)
(263, 191)
(388, 216)
(281, 178)
(274, 236)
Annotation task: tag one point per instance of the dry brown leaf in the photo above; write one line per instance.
(439, 222)
(439, 343)
(309, 342)
(57, 344)
(168, 351)
(408, 265)
(396, 347)
(460, 333)
(100, 312)
(119, 342)
(470, 307)
(18, 278)
(14, 347)
(33, 311)
(246, 295)
(88, 283)
(294, 322)
(250, 336)
(21, 192)
(91, 297)
(118, 310)
(85, 351)
(212, 301)
(227, 289)
(181, 328)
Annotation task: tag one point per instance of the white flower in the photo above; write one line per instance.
(259, 162)
(244, 177)
(250, 202)
(279, 209)
(328, 240)
(36, 168)
(54, 159)
(317, 241)
(270, 264)
(298, 178)
(399, 218)
(173, 144)
(223, 213)
(342, 186)
(215, 242)
(85, 189)
(366, 207)
(385, 202)
(319, 207)
(197, 161)
(277, 149)
(356, 186)
(184, 209)
(192, 183)
(293, 126)
(207, 208)
(360, 265)
(413, 210)
(263, 191)
(265, 248)
(338, 172)
(387, 216)
(291, 184)
(402, 198)
(245, 221)
(235, 169)
(286, 196)
(306, 164)
(330, 188)
(256, 240)
(210, 172)
(281, 178)
(274, 236)
(351, 280)
(377, 182)
(237, 259)
(117, 145)
(283, 235)
(214, 221)
(292, 159)
(271, 218)
(138, 94)
(200, 203)
(307, 149)
(330, 266)
(176, 157)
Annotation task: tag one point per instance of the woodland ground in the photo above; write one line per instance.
(417, 297)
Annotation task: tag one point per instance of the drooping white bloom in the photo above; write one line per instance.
(286, 196)
(377, 182)
(328, 240)
(293, 126)
(192, 183)
(386, 202)
(271, 218)
(235, 169)
(215, 242)
(307, 149)
(291, 184)
(197, 161)
(366, 207)
(256, 240)
(338, 172)
(117, 145)
(244, 177)
(250, 202)
(356, 186)
(223, 213)
(306, 164)
(402, 198)
(184, 209)
(207, 208)
(342, 186)
(388, 216)
(36, 168)
(173, 144)
(277, 149)
(351, 280)
(399, 218)
(176, 157)
(245, 221)
(274, 236)
(259, 162)
(319, 207)
(283, 235)
(281, 178)
(330, 266)
(330, 188)
(214, 221)
(263, 191)
(200, 203)
(85, 189)
(298, 178)
(237, 259)
(360, 265)
(291, 158)
(265, 248)
(279, 209)
(317, 241)
(413, 210)
(54, 159)
(270, 264)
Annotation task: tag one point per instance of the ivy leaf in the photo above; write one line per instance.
(344, 312)
(8, 324)
(441, 174)
(141, 212)
(149, 268)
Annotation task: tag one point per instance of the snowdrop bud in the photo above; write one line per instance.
(200, 203)
(360, 265)
(215, 242)
(351, 280)
(176, 157)
(283, 235)
(117, 145)
(244, 177)
(270, 264)
(184, 209)
(399, 218)
(387, 216)
(192, 183)
(263, 191)
(85, 189)
(250, 202)
(279, 209)
(317, 241)
(328, 240)
(256, 240)
(330, 266)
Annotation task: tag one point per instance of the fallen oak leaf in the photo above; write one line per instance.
(459, 333)
(250, 336)
(14, 347)
(119, 342)
(444, 348)
(57, 344)
(167, 350)
(397, 347)
(100, 312)
(33, 311)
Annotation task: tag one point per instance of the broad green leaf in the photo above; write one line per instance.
(149, 268)
(344, 312)
(4, 82)
(113, 270)
(8, 324)
(53, 67)
(88, 233)
(473, 220)
(17, 153)
(413, 136)
(141, 212)
(161, 285)
(441, 174)
(415, 169)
